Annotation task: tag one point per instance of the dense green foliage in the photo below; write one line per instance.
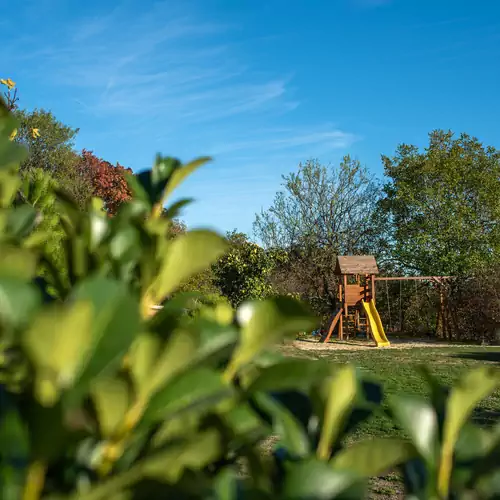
(243, 272)
(443, 205)
(52, 151)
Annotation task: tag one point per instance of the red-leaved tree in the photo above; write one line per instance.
(108, 181)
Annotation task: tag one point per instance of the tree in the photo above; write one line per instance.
(50, 146)
(108, 181)
(323, 212)
(52, 150)
(243, 272)
(443, 205)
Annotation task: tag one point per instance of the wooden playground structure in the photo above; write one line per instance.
(356, 298)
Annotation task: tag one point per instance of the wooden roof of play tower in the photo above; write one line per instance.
(356, 264)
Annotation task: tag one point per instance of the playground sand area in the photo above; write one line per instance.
(354, 345)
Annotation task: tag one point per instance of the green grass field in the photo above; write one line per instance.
(396, 368)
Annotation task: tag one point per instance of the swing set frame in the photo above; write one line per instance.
(444, 321)
(358, 276)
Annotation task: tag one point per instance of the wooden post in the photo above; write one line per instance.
(441, 321)
(368, 329)
(345, 297)
(373, 287)
(341, 328)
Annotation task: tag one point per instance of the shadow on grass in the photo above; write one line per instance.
(486, 417)
(491, 356)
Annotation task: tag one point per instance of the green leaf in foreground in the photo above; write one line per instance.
(473, 387)
(116, 322)
(315, 479)
(341, 395)
(419, 420)
(374, 457)
(263, 323)
(197, 389)
(19, 301)
(293, 436)
(187, 255)
(290, 374)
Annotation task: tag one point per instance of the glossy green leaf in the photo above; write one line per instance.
(465, 395)
(9, 182)
(220, 313)
(194, 454)
(176, 356)
(291, 374)
(374, 457)
(125, 244)
(98, 229)
(196, 389)
(163, 168)
(292, 434)
(17, 262)
(463, 398)
(21, 220)
(111, 399)
(19, 301)
(180, 174)
(343, 387)
(57, 356)
(473, 442)
(187, 255)
(226, 485)
(115, 323)
(142, 358)
(14, 453)
(139, 185)
(418, 419)
(243, 419)
(216, 341)
(182, 426)
(315, 479)
(174, 210)
(268, 358)
(165, 465)
(263, 324)
(36, 240)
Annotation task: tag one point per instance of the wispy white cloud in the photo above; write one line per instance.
(289, 139)
(147, 64)
(156, 64)
(146, 77)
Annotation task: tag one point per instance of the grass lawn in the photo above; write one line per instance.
(396, 369)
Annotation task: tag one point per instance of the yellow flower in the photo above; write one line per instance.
(8, 83)
(35, 133)
(13, 134)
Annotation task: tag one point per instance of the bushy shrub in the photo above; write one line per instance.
(243, 272)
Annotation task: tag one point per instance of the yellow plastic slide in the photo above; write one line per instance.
(376, 327)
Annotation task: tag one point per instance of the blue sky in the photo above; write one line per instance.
(260, 85)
